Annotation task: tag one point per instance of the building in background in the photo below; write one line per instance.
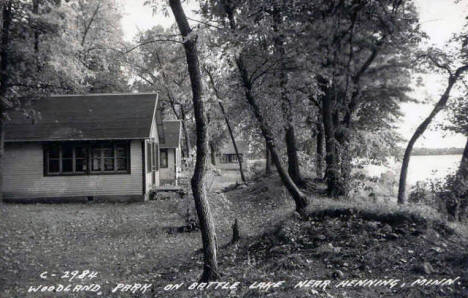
(170, 157)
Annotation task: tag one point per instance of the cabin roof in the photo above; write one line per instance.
(85, 117)
(172, 131)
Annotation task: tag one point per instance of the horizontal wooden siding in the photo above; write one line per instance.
(24, 176)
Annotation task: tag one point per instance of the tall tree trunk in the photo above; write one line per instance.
(334, 187)
(36, 31)
(4, 78)
(210, 268)
(184, 129)
(298, 197)
(4, 48)
(267, 160)
(212, 153)
(319, 150)
(293, 160)
(286, 105)
(420, 130)
(2, 152)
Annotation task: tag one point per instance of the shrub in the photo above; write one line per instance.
(448, 195)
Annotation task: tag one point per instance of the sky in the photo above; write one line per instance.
(439, 19)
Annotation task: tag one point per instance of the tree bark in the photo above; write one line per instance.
(319, 150)
(293, 160)
(4, 79)
(298, 197)
(212, 153)
(334, 187)
(186, 135)
(36, 32)
(267, 161)
(421, 129)
(2, 152)
(210, 268)
(286, 105)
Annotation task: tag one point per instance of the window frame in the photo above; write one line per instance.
(88, 158)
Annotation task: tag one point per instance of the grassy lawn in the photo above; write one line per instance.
(119, 241)
(132, 243)
(122, 242)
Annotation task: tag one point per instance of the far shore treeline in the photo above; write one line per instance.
(436, 151)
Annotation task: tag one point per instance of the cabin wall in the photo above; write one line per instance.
(178, 161)
(24, 176)
(149, 176)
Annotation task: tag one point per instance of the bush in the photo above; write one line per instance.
(366, 187)
(257, 167)
(449, 196)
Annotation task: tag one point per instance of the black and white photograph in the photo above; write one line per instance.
(233, 148)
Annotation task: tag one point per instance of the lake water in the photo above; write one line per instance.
(422, 167)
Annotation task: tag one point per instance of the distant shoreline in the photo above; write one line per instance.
(434, 154)
(437, 151)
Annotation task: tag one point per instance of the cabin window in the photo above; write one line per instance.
(163, 158)
(230, 158)
(73, 158)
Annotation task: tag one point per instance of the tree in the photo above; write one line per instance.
(158, 65)
(453, 77)
(250, 69)
(36, 56)
(457, 185)
(210, 268)
(99, 35)
(286, 104)
(226, 119)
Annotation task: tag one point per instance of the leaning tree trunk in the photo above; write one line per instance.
(267, 161)
(296, 194)
(228, 124)
(319, 150)
(210, 268)
(298, 197)
(420, 130)
(233, 140)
